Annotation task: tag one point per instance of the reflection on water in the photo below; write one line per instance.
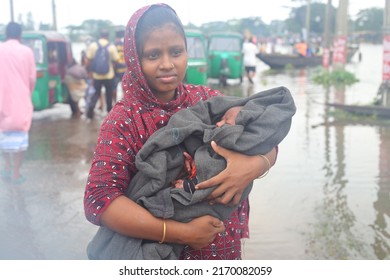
(328, 196)
(380, 225)
(61, 137)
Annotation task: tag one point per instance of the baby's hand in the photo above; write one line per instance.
(229, 117)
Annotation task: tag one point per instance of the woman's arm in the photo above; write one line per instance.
(128, 218)
(239, 172)
(106, 204)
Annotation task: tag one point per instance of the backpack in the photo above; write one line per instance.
(101, 61)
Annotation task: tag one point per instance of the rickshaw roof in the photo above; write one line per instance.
(50, 36)
(225, 34)
(196, 32)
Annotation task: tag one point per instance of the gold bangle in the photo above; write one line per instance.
(164, 232)
(269, 166)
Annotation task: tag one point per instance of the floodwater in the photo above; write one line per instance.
(328, 196)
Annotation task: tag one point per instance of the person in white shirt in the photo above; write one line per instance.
(250, 51)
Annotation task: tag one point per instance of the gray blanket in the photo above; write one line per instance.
(262, 124)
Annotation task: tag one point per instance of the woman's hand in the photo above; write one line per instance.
(129, 218)
(202, 231)
(239, 172)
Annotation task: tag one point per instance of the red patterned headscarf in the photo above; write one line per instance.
(136, 90)
(129, 124)
(142, 112)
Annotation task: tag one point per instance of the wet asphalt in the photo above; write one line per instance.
(43, 218)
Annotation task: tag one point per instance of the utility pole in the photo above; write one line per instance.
(11, 5)
(327, 35)
(53, 7)
(340, 42)
(327, 32)
(384, 90)
(307, 22)
(306, 29)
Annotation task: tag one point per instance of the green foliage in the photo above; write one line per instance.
(368, 25)
(369, 20)
(254, 25)
(297, 19)
(91, 28)
(336, 78)
(342, 116)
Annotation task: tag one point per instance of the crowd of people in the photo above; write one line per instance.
(294, 45)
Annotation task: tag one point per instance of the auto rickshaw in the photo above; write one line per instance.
(52, 52)
(225, 59)
(197, 57)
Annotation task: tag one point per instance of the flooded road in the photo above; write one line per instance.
(328, 196)
(43, 218)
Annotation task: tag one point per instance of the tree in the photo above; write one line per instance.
(90, 28)
(255, 26)
(20, 19)
(75, 32)
(368, 25)
(369, 20)
(30, 25)
(93, 27)
(297, 20)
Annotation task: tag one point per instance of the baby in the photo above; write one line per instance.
(187, 178)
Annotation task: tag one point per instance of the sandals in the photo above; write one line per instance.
(6, 176)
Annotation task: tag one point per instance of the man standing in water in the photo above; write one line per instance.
(250, 50)
(17, 82)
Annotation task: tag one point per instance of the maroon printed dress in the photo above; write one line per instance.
(122, 134)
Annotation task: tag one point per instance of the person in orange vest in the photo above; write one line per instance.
(301, 48)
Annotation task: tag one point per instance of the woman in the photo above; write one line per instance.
(156, 58)
(76, 77)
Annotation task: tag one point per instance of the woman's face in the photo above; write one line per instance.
(164, 61)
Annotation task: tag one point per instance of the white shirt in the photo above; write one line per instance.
(249, 50)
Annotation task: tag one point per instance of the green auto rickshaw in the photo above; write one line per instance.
(197, 57)
(225, 59)
(53, 54)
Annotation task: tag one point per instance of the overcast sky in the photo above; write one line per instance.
(196, 11)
